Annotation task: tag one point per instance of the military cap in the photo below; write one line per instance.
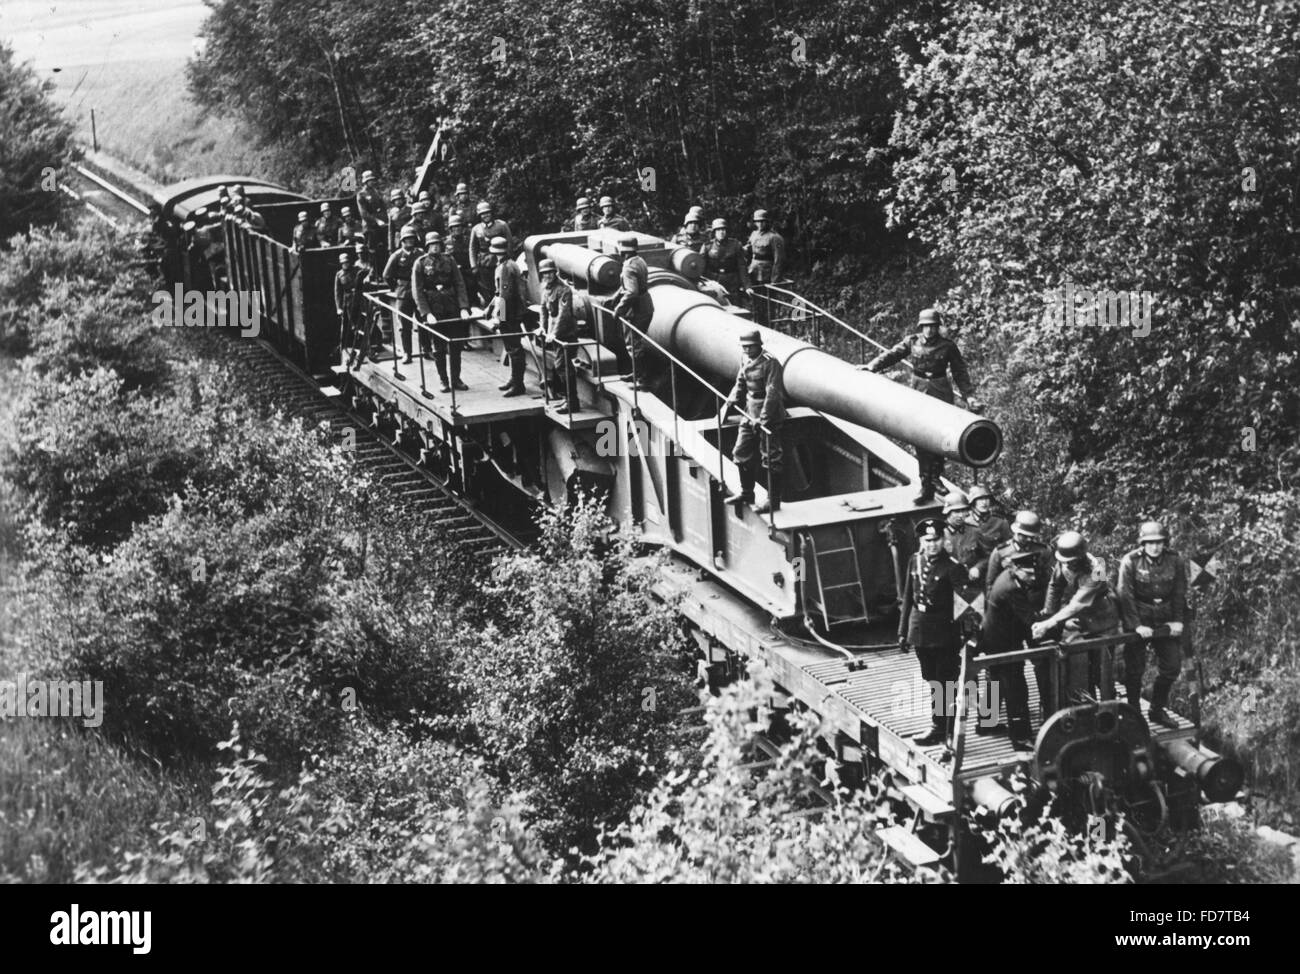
(1027, 523)
(931, 529)
(498, 245)
(607, 201)
(546, 267)
(409, 231)
(978, 492)
(461, 188)
(302, 215)
(432, 237)
(627, 244)
(1152, 531)
(583, 203)
(367, 176)
(1024, 559)
(760, 215)
(928, 317)
(751, 337)
(719, 224)
(455, 220)
(483, 207)
(955, 501)
(1071, 546)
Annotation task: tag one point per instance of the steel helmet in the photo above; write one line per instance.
(461, 188)
(760, 215)
(408, 231)
(324, 207)
(483, 207)
(583, 203)
(978, 492)
(367, 176)
(1152, 531)
(395, 194)
(424, 196)
(546, 267)
(627, 244)
(455, 220)
(692, 216)
(345, 256)
(432, 237)
(719, 224)
(419, 206)
(607, 201)
(498, 245)
(956, 501)
(928, 317)
(302, 215)
(751, 337)
(347, 211)
(1071, 546)
(1027, 524)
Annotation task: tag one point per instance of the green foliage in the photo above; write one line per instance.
(1045, 852)
(37, 143)
(573, 685)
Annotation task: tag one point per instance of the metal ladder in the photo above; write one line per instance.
(828, 562)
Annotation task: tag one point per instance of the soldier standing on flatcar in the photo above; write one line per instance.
(252, 219)
(349, 228)
(420, 219)
(397, 275)
(691, 234)
(480, 247)
(610, 218)
(463, 205)
(559, 325)
(370, 204)
(632, 303)
(1008, 624)
(440, 295)
(724, 261)
(347, 303)
(458, 247)
(367, 280)
(584, 218)
(510, 302)
(759, 394)
(993, 529)
(327, 227)
(967, 550)
(399, 214)
(1080, 600)
(1026, 536)
(927, 626)
(931, 357)
(1153, 593)
(766, 250)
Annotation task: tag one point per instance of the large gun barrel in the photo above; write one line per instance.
(697, 329)
(1220, 778)
(589, 266)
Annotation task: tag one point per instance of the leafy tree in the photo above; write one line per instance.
(37, 144)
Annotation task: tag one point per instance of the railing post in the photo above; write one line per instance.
(424, 389)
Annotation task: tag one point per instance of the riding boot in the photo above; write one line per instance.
(773, 502)
(517, 366)
(440, 362)
(1160, 697)
(747, 482)
(455, 369)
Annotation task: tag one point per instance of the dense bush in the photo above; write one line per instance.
(38, 142)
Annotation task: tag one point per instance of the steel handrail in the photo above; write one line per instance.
(823, 312)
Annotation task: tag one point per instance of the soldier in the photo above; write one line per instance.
(367, 280)
(458, 247)
(691, 235)
(370, 205)
(509, 304)
(440, 296)
(420, 219)
(347, 303)
(398, 216)
(609, 218)
(766, 250)
(724, 261)
(349, 228)
(583, 217)
(967, 551)
(559, 324)
(992, 529)
(397, 275)
(1027, 536)
(759, 394)
(1008, 624)
(327, 227)
(480, 246)
(252, 219)
(1079, 600)
(463, 205)
(932, 357)
(1153, 593)
(927, 626)
(632, 302)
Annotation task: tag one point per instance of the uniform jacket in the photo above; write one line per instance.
(582, 221)
(1086, 594)
(398, 216)
(695, 241)
(305, 237)
(1044, 565)
(348, 229)
(760, 390)
(397, 272)
(466, 210)
(512, 295)
(557, 312)
(372, 205)
(458, 244)
(726, 258)
(931, 362)
(327, 228)
(480, 240)
(927, 620)
(767, 245)
(1152, 592)
(965, 545)
(632, 301)
(436, 283)
(347, 289)
(1009, 613)
(615, 222)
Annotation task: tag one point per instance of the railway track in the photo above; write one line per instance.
(111, 203)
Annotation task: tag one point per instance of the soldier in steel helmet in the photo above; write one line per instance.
(610, 217)
(440, 297)
(397, 275)
(759, 394)
(926, 625)
(327, 227)
(508, 309)
(347, 301)
(691, 233)
(766, 250)
(931, 357)
(559, 325)
(991, 527)
(1027, 537)
(632, 303)
(464, 205)
(584, 217)
(724, 262)
(482, 260)
(1080, 605)
(371, 207)
(399, 214)
(304, 233)
(457, 245)
(1153, 593)
(1009, 614)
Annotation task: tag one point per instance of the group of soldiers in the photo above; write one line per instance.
(1032, 591)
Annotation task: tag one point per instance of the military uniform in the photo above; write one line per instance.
(1152, 592)
(724, 261)
(348, 285)
(613, 222)
(511, 298)
(766, 249)
(305, 237)
(439, 291)
(397, 275)
(696, 240)
(480, 245)
(558, 322)
(580, 222)
(1009, 614)
(993, 531)
(760, 392)
(327, 229)
(398, 217)
(373, 208)
(349, 230)
(1094, 613)
(632, 302)
(927, 625)
(457, 245)
(466, 211)
(931, 363)
(966, 547)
